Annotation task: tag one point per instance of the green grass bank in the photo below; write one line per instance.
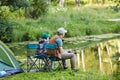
(80, 21)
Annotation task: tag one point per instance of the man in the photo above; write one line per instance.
(61, 53)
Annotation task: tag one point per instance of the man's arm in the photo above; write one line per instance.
(59, 44)
(60, 49)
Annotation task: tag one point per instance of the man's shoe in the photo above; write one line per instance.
(75, 70)
(65, 67)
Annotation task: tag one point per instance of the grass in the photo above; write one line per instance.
(78, 21)
(60, 75)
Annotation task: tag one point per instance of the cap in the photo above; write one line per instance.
(45, 35)
(61, 30)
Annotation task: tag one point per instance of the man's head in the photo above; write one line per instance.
(61, 31)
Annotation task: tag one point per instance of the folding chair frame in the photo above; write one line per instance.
(53, 58)
(33, 59)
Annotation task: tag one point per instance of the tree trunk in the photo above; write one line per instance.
(118, 46)
(96, 1)
(78, 58)
(90, 1)
(19, 14)
(109, 54)
(49, 2)
(100, 58)
(27, 13)
(83, 62)
(103, 1)
(61, 3)
(77, 2)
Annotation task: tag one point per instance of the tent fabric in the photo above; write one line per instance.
(10, 72)
(8, 63)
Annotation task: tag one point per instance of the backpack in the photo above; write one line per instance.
(41, 49)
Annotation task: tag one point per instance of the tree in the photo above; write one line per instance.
(15, 3)
(117, 2)
(78, 2)
(5, 30)
(38, 8)
(117, 5)
(61, 3)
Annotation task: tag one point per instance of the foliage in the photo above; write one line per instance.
(5, 30)
(117, 29)
(15, 3)
(38, 8)
(5, 11)
(116, 7)
(13, 8)
(55, 2)
(117, 2)
(78, 22)
(93, 30)
(22, 3)
(26, 37)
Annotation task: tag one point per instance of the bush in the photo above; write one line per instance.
(26, 37)
(93, 30)
(5, 11)
(116, 30)
(55, 2)
(5, 30)
(39, 7)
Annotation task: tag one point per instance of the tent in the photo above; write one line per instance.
(8, 63)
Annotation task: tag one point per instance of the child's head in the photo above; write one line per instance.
(45, 35)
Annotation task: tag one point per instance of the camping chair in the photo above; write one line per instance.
(55, 62)
(35, 62)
